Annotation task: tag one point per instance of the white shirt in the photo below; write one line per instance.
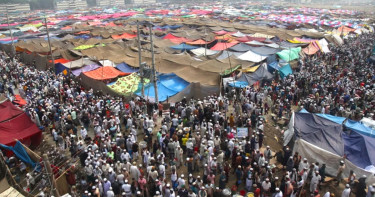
(346, 192)
(279, 194)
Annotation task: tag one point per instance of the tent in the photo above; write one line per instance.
(86, 68)
(104, 73)
(78, 63)
(285, 71)
(220, 46)
(241, 47)
(196, 90)
(261, 74)
(184, 47)
(290, 54)
(252, 57)
(326, 139)
(273, 66)
(203, 51)
(123, 67)
(168, 85)
(107, 63)
(127, 84)
(16, 125)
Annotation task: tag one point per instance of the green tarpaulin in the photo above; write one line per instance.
(128, 84)
(289, 55)
(229, 70)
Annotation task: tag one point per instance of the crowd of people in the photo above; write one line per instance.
(134, 147)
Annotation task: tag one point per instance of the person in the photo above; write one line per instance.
(340, 170)
(110, 193)
(346, 192)
(371, 190)
(278, 193)
(329, 194)
(315, 181)
(361, 187)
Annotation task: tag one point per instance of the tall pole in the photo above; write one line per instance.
(49, 44)
(47, 165)
(11, 34)
(205, 40)
(153, 66)
(140, 60)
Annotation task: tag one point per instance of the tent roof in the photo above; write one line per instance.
(359, 149)
(123, 67)
(199, 42)
(241, 47)
(104, 73)
(8, 111)
(222, 46)
(20, 128)
(320, 132)
(252, 57)
(184, 47)
(260, 74)
(86, 68)
(79, 63)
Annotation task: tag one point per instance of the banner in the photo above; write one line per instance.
(242, 132)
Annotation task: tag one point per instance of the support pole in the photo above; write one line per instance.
(153, 66)
(51, 175)
(11, 36)
(140, 61)
(49, 44)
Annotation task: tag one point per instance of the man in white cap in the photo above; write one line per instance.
(181, 181)
(371, 190)
(346, 192)
(110, 193)
(278, 193)
(340, 170)
(126, 187)
(315, 181)
(302, 165)
(266, 185)
(268, 154)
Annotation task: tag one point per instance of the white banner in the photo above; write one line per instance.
(242, 132)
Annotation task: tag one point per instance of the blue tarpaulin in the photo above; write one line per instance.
(20, 152)
(272, 67)
(168, 85)
(359, 149)
(123, 67)
(184, 47)
(360, 128)
(336, 119)
(60, 68)
(285, 71)
(238, 84)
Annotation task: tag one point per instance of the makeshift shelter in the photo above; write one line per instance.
(123, 67)
(196, 90)
(261, 74)
(184, 47)
(78, 63)
(203, 51)
(252, 57)
(285, 71)
(128, 84)
(168, 85)
(241, 47)
(86, 68)
(290, 54)
(104, 73)
(107, 63)
(16, 125)
(325, 139)
(220, 46)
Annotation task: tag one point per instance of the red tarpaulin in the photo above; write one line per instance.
(249, 38)
(170, 36)
(124, 36)
(198, 42)
(20, 128)
(222, 46)
(8, 111)
(19, 100)
(104, 73)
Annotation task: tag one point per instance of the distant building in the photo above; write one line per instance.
(111, 3)
(71, 4)
(14, 8)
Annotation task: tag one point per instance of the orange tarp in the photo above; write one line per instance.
(61, 61)
(124, 36)
(19, 100)
(311, 49)
(198, 42)
(83, 32)
(67, 27)
(222, 46)
(345, 29)
(104, 73)
(179, 40)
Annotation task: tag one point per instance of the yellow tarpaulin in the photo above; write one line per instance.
(128, 84)
(250, 70)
